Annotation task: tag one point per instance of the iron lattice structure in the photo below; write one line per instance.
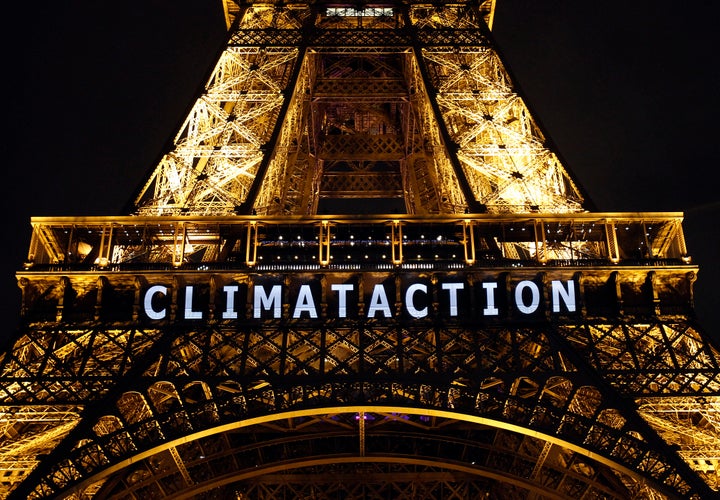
(360, 272)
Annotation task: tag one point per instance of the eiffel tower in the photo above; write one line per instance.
(361, 271)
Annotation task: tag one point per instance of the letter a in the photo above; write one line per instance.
(379, 302)
(305, 303)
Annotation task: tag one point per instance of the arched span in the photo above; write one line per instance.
(398, 413)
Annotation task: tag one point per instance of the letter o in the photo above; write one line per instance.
(522, 307)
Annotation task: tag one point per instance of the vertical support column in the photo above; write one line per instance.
(102, 285)
(540, 242)
(653, 295)
(64, 288)
(324, 246)
(396, 241)
(24, 299)
(614, 282)
(648, 248)
(66, 253)
(680, 237)
(540, 461)
(288, 92)
(32, 251)
(251, 244)
(105, 246)
(137, 302)
(214, 285)
(612, 244)
(361, 432)
(450, 146)
(469, 241)
(182, 468)
(178, 244)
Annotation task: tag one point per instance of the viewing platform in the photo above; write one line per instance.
(355, 242)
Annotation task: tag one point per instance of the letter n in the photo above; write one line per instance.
(566, 294)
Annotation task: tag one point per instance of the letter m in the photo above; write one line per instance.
(267, 302)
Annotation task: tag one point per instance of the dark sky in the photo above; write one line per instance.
(626, 90)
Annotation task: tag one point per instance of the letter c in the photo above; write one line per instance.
(409, 303)
(147, 302)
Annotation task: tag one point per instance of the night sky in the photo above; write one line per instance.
(627, 91)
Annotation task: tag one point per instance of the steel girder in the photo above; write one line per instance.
(626, 379)
(253, 134)
(192, 384)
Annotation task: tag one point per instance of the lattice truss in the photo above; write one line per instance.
(691, 424)
(395, 101)
(219, 148)
(503, 152)
(435, 180)
(520, 406)
(31, 430)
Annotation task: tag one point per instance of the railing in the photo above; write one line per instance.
(358, 242)
(350, 266)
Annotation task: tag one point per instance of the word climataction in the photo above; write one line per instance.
(342, 301)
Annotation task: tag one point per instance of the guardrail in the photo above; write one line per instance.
(145, 243)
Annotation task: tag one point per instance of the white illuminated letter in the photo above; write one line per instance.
(305, 302)
(342, 297)
(409, 303)
(490, 309)
(264, 301)
(229, 312)
(519, 298)
(147, 302)
(453, 288)
(568, 295)
(189, 313)
(379, 302)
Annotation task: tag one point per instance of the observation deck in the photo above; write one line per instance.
(628, 263)
(130, 243)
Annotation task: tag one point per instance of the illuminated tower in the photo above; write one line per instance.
(360, 272)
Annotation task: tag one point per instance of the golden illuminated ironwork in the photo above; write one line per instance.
(359, 272)
(375, 101)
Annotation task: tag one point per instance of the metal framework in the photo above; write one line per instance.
(399, 100)
(361, 272)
